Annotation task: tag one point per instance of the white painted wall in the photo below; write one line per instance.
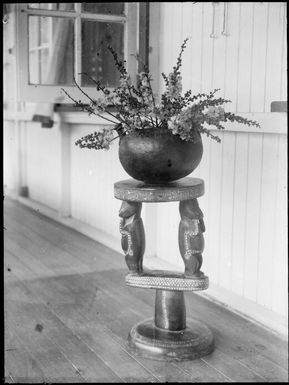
(245, 201)
(245, 176)
(249, 65)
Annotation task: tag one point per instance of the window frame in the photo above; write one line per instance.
(52, 93)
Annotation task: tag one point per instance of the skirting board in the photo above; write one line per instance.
(256, 313)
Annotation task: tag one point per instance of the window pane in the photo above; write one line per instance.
(97, 61)
(45, 29)
(105, 8)
(51, 50)
(53, 6)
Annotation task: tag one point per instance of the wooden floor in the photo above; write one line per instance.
(68, 314)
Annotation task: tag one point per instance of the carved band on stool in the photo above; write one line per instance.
(156, 279)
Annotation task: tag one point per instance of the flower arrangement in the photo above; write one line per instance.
(133, 108)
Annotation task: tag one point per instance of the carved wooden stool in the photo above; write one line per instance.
(169, 336)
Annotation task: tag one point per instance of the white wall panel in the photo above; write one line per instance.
(279, 275)
(244, 208)
(267, 219)
(283, 81)
(245, 46)
(259, 57)
(9, 159)
(196, 21)
(275, 51)
(186, 29)
(93, 174)
(231, 63)
(212, 220)
(244, 201)
(252, 229)
(227, 183)
(239, 212)
(218, 52)
(207, 50)
(249, 65)
(42, 156)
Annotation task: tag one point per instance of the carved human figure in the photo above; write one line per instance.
(132, 235)
(191, 240)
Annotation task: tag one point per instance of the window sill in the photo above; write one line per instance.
(69, 117)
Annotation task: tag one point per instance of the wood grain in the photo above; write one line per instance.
(68, 315)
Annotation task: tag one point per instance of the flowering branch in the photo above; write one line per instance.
(135, 107)
(85, 107)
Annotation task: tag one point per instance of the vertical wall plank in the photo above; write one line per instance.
(150, 220)
(239, 213)
(231, 63)
(65, 199)
(9, 159)
(214, 196)
(244, 55)
(267, 220)
(280, 247)
(197, 45)
(18, 152)
(203, 172)
(166, 36)
(259, 57)
(177, 27)
(155, 18)
(227, 207)
(252, 231)
(207, 48)
(168, 225)
(219, 56)
(43, 160)
(275, 32)
(283, 88)
(187, 16)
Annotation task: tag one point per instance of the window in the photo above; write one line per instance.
(58, 42)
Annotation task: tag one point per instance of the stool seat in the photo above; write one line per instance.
(166, 280)
(180, 190)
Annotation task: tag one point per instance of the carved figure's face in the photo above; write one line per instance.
(190, 209)
(129, 208)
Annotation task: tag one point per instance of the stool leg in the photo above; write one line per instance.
(169, 336)
(132, 235)
(191, 239)
(170, 310)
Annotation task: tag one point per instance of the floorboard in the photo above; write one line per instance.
(68, 314)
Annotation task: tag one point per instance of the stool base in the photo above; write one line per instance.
(147, 340)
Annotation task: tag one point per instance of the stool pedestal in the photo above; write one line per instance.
(169, 335)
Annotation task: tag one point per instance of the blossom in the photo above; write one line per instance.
(124, 81)
(186, 122)
(143, 77)
(99, 105)
(174, 86)
(145, 91)
(96, 140)
(214, 114)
